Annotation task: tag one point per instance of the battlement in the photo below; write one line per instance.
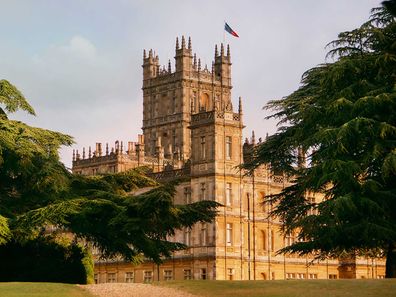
(187, 65)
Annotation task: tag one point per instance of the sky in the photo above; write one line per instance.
(78, 62)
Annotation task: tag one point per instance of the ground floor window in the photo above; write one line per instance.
(147, 276)
(290, 275)
(129, 277)
(300, 275)
(187, 274)
(111, 277)
(313, 276)
(96, 278)
(168, 275)
(332, 276)
(203, 273)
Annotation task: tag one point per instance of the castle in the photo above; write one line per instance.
(191, 129)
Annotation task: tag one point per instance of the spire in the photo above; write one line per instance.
(89, 152)
(150, 53)
(107, 149)
(83, 152)
(74, 155)
(199, 64)
(253, 137)
(228, 51)
(189, 42)
(177, 43)
(169, 66)
(144, 54)
(216, 51)
(195, 61)
(222, 50)
(240, 105)
(183, 42)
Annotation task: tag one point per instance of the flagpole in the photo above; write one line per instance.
(224, 32)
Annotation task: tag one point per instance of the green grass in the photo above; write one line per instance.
(41, 290)
(288, 288)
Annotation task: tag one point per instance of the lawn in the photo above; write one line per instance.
(41, 290)
(288, 288)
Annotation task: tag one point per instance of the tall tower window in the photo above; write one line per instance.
(203, 191)
(229, 234)
(173, 105)
(187, 237)
(228, 194)
(187, 195)
(228, 147)
(203, 234)
(203, 148)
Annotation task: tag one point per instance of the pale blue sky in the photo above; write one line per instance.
(79, 62)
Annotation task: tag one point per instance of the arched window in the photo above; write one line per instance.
(204, 104)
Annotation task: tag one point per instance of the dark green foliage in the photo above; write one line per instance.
(43, 260)
(37, 191)
(344, 117)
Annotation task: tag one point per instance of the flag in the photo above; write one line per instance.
(229, 30)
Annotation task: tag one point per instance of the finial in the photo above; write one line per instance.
(260, 140)
(169, 66)
(222, 50)
(74, 155)
(240, 105)
(266, 136)
(144, 54)
(183, 42)
(122, 147)
(195, 61)
(107, 149)
(216, 51)
(150, 53)
(228, 50)
(177, 43)
(77, 155)
(253, 138)
(199, 64)
(89, 153)
(246, 140)
(189, 42)
(83, 153)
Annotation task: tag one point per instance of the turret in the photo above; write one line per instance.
(150, 65)
(223, 65)
(183, 57)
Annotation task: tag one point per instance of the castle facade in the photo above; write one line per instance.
(191, 129)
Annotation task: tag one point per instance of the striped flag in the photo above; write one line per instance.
(229, 30)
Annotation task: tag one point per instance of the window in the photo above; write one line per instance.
(290, 275)
(228, 147)
(332, 276)
(187, 195)
(228, 194)
(263, 240)
(229, 234)
(174, 144)
(273, 275)
(272, 241)
(203, 273)
(111, 277)
(173, 108)
(187, 274)
(203, 234)
(300, 275)
(147, 276)
(187, 236)
(129, 277)
(289, 239)
(230, 272)
(313, 276)
(168, 275)
(313, 210)
(203, 148)
(203, 191)
(96, 278)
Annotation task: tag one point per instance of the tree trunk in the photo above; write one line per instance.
(391, 261)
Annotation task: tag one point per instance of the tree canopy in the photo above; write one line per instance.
(36, 190)
(343, 117)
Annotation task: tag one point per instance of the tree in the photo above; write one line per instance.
(36, 190)
(343, 116)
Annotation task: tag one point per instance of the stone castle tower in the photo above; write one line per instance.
(191, 129)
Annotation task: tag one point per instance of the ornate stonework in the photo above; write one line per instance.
(190, 129)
